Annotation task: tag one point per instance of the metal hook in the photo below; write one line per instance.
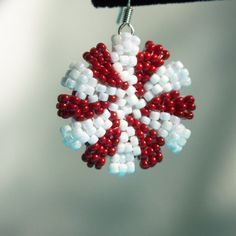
(127, 19)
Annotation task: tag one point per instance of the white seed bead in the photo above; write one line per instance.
(134, 141)
(113, 107)
(122, 169)
(128, 148)
(116, 39)
(93, 98)
(146, 120)
(120, 114)
(155, 79)
(111, 90)
(148, 85)
(121, 102)
(98, 122)
(105, 115)
(127, 110)
(137, 114)
(155, 115)
(136, 151)
(187, 133)
(89, 90)
(155, 124)
(161, 71)
(123, 125)
(167, 87)
(92, 82)
(103, 97)
(132, 100)
(120, 93)
(133, 79)
(130, 167)
(83, 79)
(164, 116)
(121, 147)
(131, 90)
(157, 89)
(163, 132)
(124, 60)
(167, 125)
(148, 96)
(114, 57)
(107, 124)
(140, 104)
(130, 131)
(101, 88)
(118, 67)
(114, 168)
(124, 137)
(93, 139)
(100, 132)
(76, 145)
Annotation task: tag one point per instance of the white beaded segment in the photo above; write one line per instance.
(171, 77)
(124, 50)
(89, 131)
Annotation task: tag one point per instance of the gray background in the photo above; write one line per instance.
(46, 190)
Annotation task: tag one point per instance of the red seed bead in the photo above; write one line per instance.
(150, 150)
(144, 128)
(146, 66)
(153, 133)
(116, 141)
(125, 85)
(145, 111)
(116, 123)
(191, 106)
(130, 120)
(153, 160)
(189, 99)
(188, 114)
(158, 49)
(63, 98)
(140, 133)
(100, 110)
(160, 141)
(147, 56)
(144, 153)
(154, 57)
(61, 106)
(166, 55)
(140, 92)
(136, 123)
(140, 56)
(156, 147)
(144, 164)
(156, 100)
(90, 164)
(111, 151)
(159, 156)
(101, 46)
(148, 140)
(142, 143)
(113, 115)
(112, 98)
(139, 67)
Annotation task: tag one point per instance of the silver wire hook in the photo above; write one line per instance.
(127, 18)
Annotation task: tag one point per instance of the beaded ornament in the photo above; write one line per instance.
(125, 105)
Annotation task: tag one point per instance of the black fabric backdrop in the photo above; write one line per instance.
(116, 3)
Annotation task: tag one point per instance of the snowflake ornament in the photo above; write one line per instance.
(125, 105)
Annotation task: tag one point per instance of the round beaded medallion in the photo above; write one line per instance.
(125, 105)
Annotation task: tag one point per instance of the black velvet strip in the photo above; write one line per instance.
(119, 3)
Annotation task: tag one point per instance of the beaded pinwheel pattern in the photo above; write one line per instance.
(125, 105)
